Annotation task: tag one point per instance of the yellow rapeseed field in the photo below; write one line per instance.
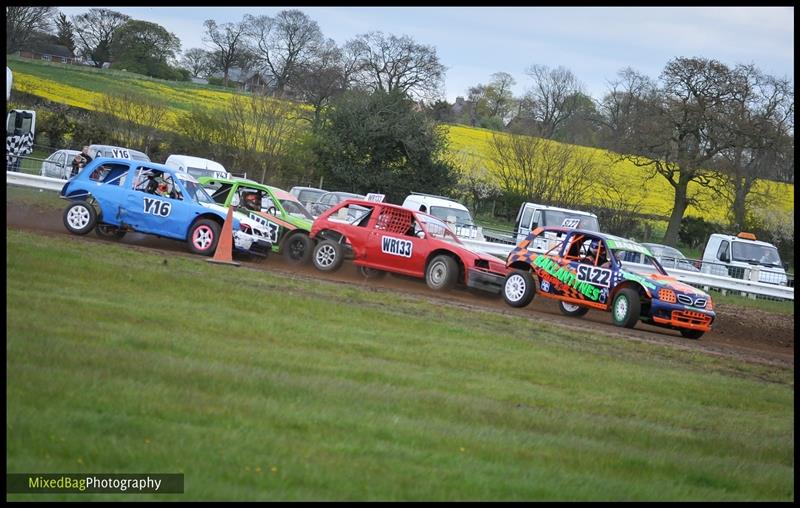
(656, 194)
(468, 146)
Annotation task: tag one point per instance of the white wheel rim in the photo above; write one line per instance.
(438, 272)
(621, 308)
(515, 287)
(203, 237)
(570, 307)
(78, 217)
(325, 255)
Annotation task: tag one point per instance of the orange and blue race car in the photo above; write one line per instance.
(589, 270)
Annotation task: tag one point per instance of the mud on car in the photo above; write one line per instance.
(117, 196)
(589, 270)
(285, 218)
(381, 237)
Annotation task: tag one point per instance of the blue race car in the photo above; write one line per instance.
(585, 270)
(115, 196)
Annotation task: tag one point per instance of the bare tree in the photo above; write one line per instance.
(22, 23)
(95, 30)
(196, 61)
(552, 99)
(283, 44)
(228, 41)
(250, 134)
(679, 130)
(542, 170)
(390, 63)
(624, 104)
(761, 139)
(321, 78)
(135, 119)
(474, 179)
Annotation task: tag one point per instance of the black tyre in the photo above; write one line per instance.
(371, 273)
(298, 249)
(328, 256)
(109, 232)
(519, 288)
(442, 273)
(626, 308)
(203, 237)
(691, 334)
(80, 217)
(572, 310)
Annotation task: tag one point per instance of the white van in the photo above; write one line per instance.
(744, 257)
(452, 212)
(197, 166)
(532, 215)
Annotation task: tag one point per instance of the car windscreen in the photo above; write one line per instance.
(462, 217)
(557, 218)
(757, 254)
(196, 192)
(438, 229)
(295, 208)
(637, 262)
(309, 196)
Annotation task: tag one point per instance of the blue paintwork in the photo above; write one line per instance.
(121, 205)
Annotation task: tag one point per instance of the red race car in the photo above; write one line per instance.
(381, 237)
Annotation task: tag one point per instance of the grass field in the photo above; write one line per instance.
(82, 87)
(258, 386)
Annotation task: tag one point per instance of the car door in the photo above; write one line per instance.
(575, 276)
(158, 215)
(392, 245)
(52, 165)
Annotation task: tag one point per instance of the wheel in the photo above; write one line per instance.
(328, 256)
(80, 217)
(297, 249)
(572, 310)
(442, 273)
(626, 308)
(691, 334)
(518, 288)
(109, 232)
(203, 237)
(371, 273)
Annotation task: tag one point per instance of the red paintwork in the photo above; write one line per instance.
(367, 248)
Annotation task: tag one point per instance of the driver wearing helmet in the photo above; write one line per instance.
(252, 200)
(591, 253)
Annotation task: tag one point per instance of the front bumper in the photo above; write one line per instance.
(485, 281)
(251, 244)
(681, 316)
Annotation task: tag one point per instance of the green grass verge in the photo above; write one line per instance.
(258, 386)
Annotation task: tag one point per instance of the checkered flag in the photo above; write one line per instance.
(18, 146)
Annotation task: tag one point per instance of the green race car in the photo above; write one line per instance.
(286, 219)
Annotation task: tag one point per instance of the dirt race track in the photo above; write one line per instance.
(748, 334)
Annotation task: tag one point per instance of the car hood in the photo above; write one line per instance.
(656, 281)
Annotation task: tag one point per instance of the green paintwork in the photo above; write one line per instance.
(281, 214)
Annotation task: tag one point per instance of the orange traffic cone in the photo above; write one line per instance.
(224, 253)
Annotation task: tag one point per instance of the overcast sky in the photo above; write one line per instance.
(593, 42)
